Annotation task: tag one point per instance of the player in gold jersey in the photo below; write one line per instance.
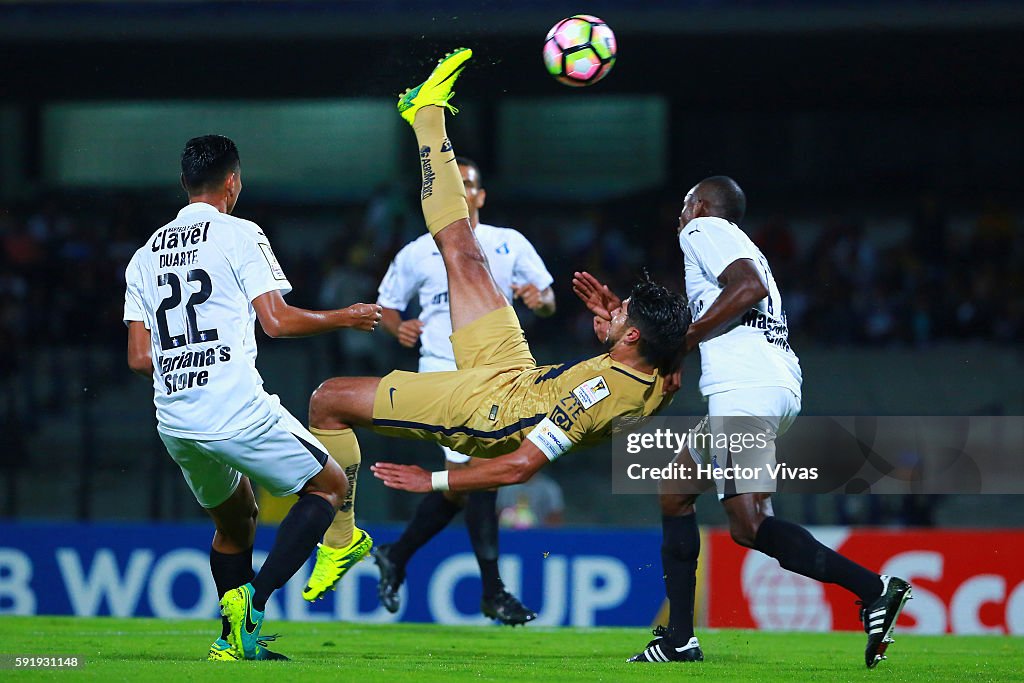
(499, 405)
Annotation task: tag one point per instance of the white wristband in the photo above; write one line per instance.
(439, 480)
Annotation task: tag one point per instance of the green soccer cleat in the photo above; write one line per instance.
(221, 651)
(334, 563)
(246, 622)
(437, 89)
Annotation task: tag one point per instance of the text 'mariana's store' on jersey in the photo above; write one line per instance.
(192, 284)
(419, 268)
(754, 351)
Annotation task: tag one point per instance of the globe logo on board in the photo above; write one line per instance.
(780, 600)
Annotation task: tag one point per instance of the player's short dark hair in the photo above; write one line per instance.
(466, 161)
(724, 196)
(662, 317)
(206, 161)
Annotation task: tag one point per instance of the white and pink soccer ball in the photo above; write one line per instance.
(579, 50)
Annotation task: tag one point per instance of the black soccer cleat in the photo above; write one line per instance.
(507, 609)
(880, 617)
(660, 650)
(390, 579)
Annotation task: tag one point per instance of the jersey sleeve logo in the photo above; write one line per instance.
(592, 391)
(551, 440)
(275, 267)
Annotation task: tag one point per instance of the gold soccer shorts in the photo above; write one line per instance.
(461, 409)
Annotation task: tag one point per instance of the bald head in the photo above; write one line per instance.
(719, 196)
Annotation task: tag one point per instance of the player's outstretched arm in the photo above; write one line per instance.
(279, 319)
(512, 468)
(140, 358)
(596, 296)
(742, 288)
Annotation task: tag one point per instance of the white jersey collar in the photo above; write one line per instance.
(195, 207)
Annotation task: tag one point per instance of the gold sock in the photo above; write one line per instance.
(442, 194)
(344, 448)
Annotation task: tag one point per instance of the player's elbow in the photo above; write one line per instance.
(518, 471)
(754, 290)
(761, 289)
(278, 319)
(140, 363)
(273, 327)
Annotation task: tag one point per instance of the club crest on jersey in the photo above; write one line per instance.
(275, 267)
(591, 392)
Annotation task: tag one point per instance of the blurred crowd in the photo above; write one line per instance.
(844, 282)
(931, 283)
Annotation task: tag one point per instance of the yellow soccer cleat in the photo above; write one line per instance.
(246, 622)
(334, 563)
(221, 651)
(437, 89)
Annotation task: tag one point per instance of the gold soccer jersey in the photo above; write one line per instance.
(499, 395)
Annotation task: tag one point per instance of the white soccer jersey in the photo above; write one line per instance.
(419, 268)
(754, 350)
(192, 284)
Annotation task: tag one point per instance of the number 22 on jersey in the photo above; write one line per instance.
(192, 335)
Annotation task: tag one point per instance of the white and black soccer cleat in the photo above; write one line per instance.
(880, 617)
(661, 650)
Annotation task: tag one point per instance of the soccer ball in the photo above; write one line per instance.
(579, 50)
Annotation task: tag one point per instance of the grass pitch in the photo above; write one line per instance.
(157, 650)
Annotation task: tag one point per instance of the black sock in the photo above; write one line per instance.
(680, 546)
(230, 572)
(300, 530)
(433, 514)
(798, 551)
(482, 524)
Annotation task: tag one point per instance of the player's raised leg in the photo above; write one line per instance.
(334, 408)
(472, 292)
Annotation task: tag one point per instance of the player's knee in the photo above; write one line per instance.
(325, 401)
(744, 531)
(677, 505)
(741, 535)
(241, 532)
(336, 496)
(252, 514)
(331, 484)
(247, 524)
(249, 530)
